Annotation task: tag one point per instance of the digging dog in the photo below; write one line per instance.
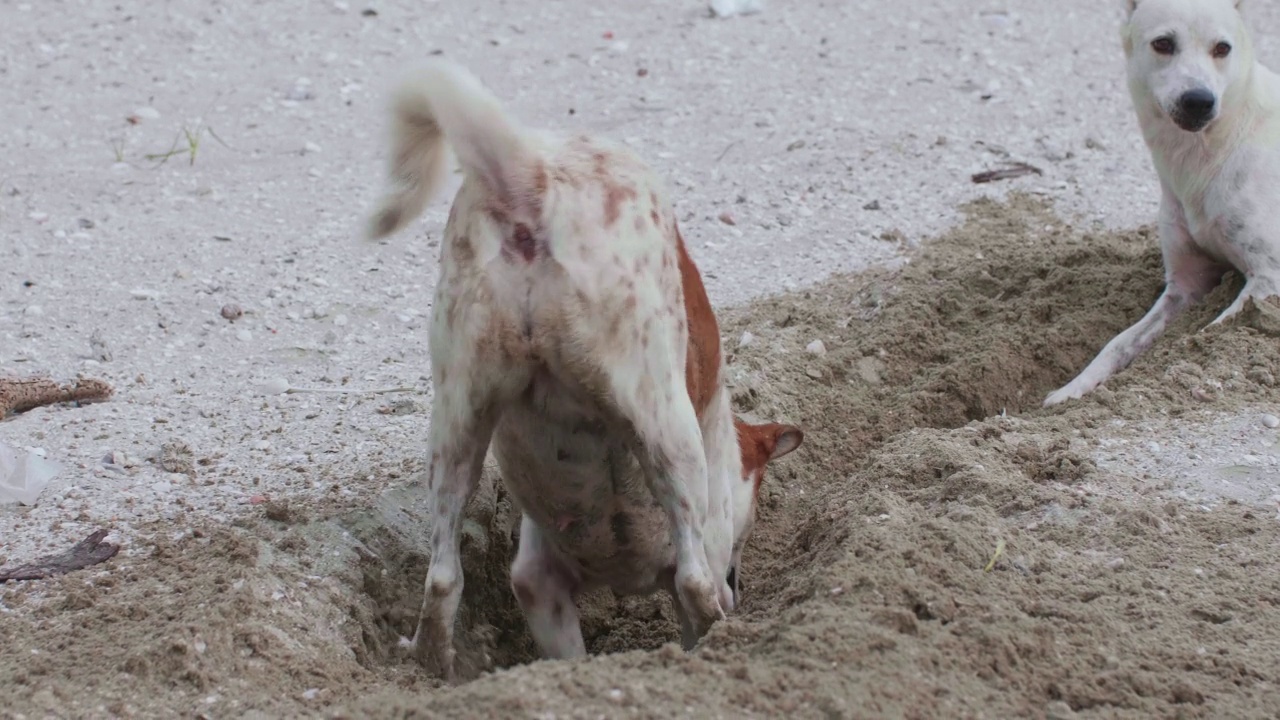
(571, 333)
(1210, 115)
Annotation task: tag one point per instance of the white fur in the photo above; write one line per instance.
(1220, 184)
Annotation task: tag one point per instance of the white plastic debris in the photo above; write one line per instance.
(24, 475)
(729, 8)
(275, 386)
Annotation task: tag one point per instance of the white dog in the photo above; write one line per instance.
(571, 328)
(1210, 115)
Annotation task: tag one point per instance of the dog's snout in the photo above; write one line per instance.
(1197, 105)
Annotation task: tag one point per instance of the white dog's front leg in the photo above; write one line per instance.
(1189, 276)
(544, 587)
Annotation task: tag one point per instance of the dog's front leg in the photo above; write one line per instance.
(675, 466)
(544, 587)
(1189, 276)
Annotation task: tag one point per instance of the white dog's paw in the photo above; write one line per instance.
(1057, 397)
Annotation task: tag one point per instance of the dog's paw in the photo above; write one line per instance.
(1057, 397)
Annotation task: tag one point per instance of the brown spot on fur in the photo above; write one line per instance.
(540, 181)
(614, 196)
(463, 252)
(639, 224)
(655, 217)
(524, 242)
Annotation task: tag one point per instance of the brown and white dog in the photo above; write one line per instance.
(572, 330)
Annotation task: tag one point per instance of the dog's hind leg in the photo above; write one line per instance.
(1189, 276)
(472, 381)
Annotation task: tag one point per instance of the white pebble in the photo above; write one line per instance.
(33, 311)
(1153, 446)
(746, 339)
(143, 294)
(244, 336)
(1270, 421)
(262, 445)
(311, 147)
(340, 320)
(275, 386)
(162, 487)
(816, 348)
(148, 113)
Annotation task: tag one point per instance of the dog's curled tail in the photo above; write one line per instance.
(442, 101)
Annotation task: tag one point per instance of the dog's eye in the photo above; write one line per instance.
(1221, 50)
(1163, 45)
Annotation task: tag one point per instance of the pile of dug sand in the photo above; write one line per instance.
(939, 547)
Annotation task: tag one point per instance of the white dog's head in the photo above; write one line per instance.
(1187, 59)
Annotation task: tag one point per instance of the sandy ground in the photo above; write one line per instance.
(1137, 530)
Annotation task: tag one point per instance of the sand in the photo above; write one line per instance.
(939, 547)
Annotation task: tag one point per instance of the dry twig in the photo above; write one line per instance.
(83, 554)
(25, 393)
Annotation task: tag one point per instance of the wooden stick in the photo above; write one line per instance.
(26, 393)
(1012, 170)
(85, 553)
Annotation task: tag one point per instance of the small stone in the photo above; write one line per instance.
(244, 336)
(1270, 421)
(275, 386)
(340, 320)
(262, 445)
(38, 216)
(1153, 446)
(746, 339)
(163, 486)
(232, 311)
(615, 695)
(310, 147)
(33, 311)
(1115, 563)
(873, 205)
(814, 373)
(147, 113)
(143, 294)
(310, 694)
(727, 219)
(85, 224)
(816, 348)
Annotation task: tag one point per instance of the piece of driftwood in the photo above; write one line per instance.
(20, 394)
(85, 553)
(1010, 171)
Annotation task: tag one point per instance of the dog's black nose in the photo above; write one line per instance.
(1196, 105)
